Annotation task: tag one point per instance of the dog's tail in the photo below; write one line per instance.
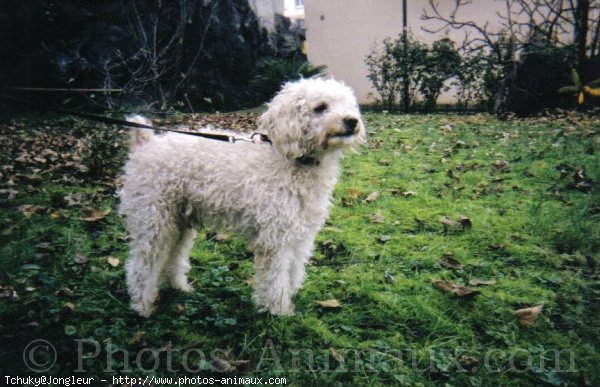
(140, 135)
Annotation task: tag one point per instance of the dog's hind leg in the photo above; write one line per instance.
(179, 264)
(153, 239)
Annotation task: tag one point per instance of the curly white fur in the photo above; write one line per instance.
(275, 197)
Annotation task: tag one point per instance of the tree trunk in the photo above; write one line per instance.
(581, 30)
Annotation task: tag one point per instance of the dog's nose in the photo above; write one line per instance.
(350, 125)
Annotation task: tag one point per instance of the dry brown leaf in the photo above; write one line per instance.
(336, 355)
(329, 304)
(457, 290)
(94, 215)
(501, 165)
(383, 238)
(137, 337)
(477, 282)
(353, 194)
(497, 246)
(80, 259)
(465, 222)
(227, 363)
(28, 210)
(56, 214)
(377, 218)
(449, 223)
(408, 194)
(179, 308)
(446, 128)
(113, 261)
(372, 197)
(448, 260)
(221, 237)
(467, 361)
(74, 199)
(11, 193)
(383, 162)
(527, 316)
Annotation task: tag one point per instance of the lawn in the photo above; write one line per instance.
(443, 227)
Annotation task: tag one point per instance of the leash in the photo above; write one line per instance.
(115, 121)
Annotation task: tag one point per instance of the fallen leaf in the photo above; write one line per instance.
(579, 175)
(528, 316)
(94, 215)
(28, 210)
(447, 260)
(227, 362)
(389, 277)
(408, 194)
(465, 221)
(450, 174)
(11, 193)
(137, 337)
(384, 162)
(383, 238)
(446, 128)
(581, 182)
(457, 290)
(467, 361)
(114, 262)
(56, 214)
(335, 355)
(331, 249)
(377, 218)
(221, 237)
(8, 292)
(179, 308)
(501, 165)
(74, 199)
(81, 259)
(497, 246)
(371, 197)
(353, 194)
(477, 282)
(449, 223)
(329, 304)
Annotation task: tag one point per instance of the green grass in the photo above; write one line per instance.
(535, 234)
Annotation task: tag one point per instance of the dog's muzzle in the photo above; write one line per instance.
(350, 128)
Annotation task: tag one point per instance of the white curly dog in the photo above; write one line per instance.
(276, 197)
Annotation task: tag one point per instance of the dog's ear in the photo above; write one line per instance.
(286, 121)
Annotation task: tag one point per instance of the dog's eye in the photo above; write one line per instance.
(320, 108)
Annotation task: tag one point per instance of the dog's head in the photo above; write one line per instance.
(311, 117)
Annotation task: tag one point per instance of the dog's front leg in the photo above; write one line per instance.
(272, 282)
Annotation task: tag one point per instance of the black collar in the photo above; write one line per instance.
(308, 161)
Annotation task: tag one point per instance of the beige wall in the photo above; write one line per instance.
(341, 33)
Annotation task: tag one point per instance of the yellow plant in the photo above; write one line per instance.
(578, 89)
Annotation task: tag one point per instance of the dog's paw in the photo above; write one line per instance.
(182, 284)
(142, 310)
(186, 288)
(278, 310)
